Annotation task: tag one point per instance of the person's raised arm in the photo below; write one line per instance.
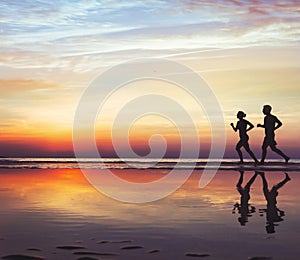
(260, 125)
(250, 126)
(234, 127)
(278, 123)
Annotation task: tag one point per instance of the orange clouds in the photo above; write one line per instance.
(15, 88)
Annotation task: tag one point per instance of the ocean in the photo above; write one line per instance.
(145, 163)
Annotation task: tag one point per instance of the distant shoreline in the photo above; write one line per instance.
(146, 164)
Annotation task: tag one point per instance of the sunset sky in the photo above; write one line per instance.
(248, 52)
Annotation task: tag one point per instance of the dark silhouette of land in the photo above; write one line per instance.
(271, 123)
(243, 206)
(243, 126)
(273, 213)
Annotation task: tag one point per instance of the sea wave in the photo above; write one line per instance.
(152, 163)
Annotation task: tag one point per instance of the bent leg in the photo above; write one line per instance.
(276, 150)
(265, 184)
(250, 182)
(238, 149)
(247, 148)
(239, 184)
(282, 183)
(264, 150)
(264, 154)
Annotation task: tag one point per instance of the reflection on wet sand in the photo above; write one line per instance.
(246, 210)
(273, 213)
(58, 212)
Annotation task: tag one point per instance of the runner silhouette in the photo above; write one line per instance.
(243, 206)
(271, 123)
(273, 214)
(242, 127)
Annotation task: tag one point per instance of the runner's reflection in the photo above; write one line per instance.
(244, 208)
(273, 213)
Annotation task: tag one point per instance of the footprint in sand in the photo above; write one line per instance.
(70, 247)
(131, 247)
(22, 257)
(153, 251)
(197, 255)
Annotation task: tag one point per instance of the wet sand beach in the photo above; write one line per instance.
(57, 214)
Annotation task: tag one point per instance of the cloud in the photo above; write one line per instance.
(76, 36)
(50, 50)
(254, 10)
(16, 88)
